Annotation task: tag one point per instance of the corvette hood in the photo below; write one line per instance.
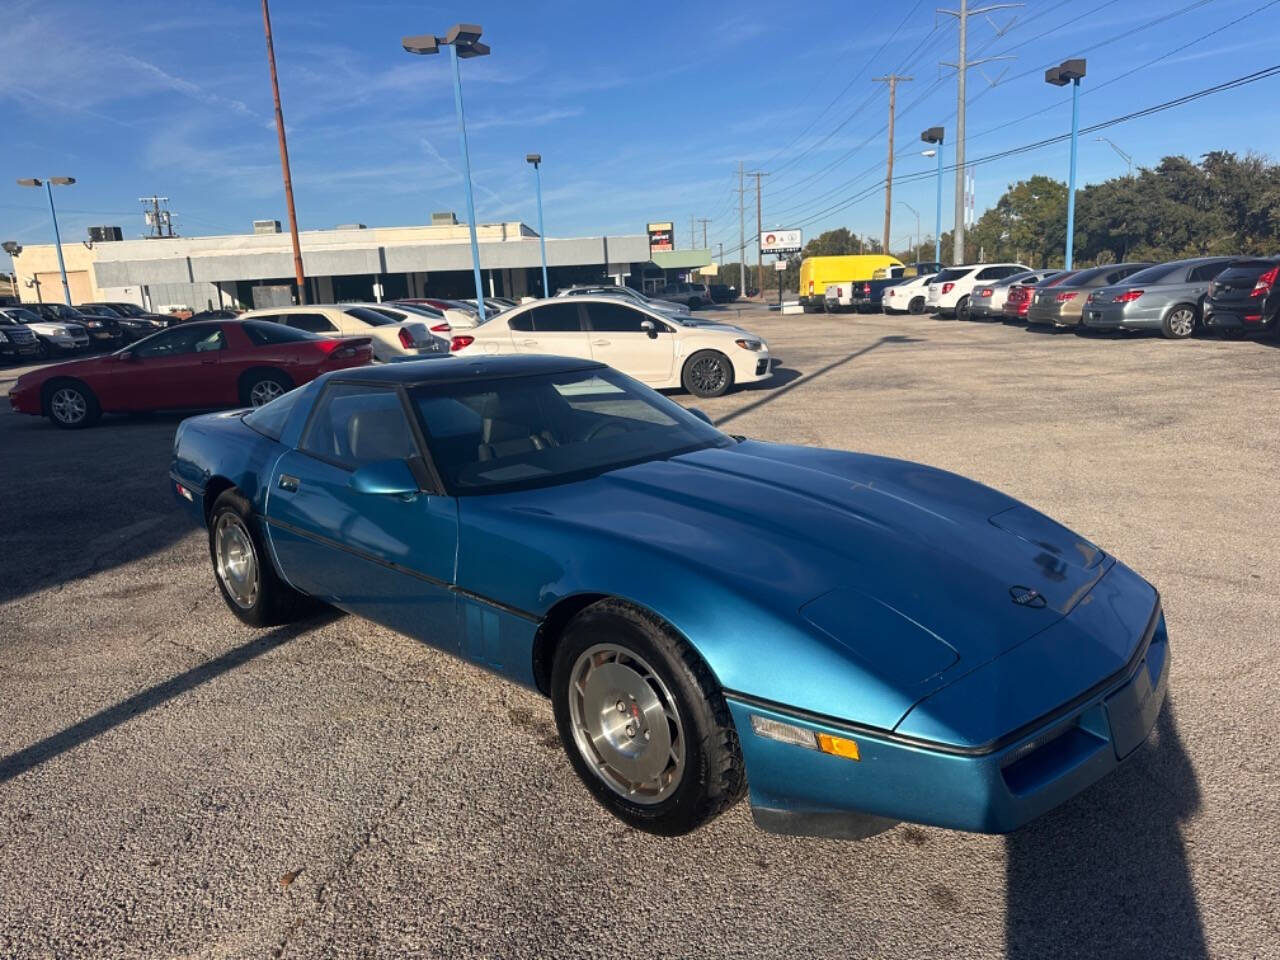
(917, 570)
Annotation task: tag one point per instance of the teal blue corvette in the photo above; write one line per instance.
(854, 641)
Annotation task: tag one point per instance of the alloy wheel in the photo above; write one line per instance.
(264, 391)
(707, 374)
(68, 406)
(626, 724)
(237, 561)
(1182, 322)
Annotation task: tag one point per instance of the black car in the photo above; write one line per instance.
(16, 341)
(123, 309)
(723, 293)
(1245, 297)
(105, 332)
(133, 328)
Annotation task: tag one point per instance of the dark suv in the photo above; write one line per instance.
(692, 295)
(104, 331)
(1245, 296)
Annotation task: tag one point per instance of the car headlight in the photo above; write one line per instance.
(749, 344)
(93, 324)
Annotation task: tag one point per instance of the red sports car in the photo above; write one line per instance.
(194, 366)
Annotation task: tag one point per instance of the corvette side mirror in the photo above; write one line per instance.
(650, 328)
(701, 415)
(391, 478)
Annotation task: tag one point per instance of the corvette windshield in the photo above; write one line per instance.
(509, 433)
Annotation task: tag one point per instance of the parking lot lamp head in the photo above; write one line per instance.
(1072, 72)
(49, 183)
(463, 41)
(536, 160)
(935, 135)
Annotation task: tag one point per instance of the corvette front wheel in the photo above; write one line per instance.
(643, 721)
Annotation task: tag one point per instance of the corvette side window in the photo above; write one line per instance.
(354, 424)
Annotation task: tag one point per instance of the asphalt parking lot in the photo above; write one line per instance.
(173, 783)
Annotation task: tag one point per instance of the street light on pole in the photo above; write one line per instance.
(49, 183)
(1127, 159)
(915, 249)
(463, 41)
(1072, 72)
(536, 160)
(935, 135)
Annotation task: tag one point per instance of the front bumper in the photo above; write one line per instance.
(801, 791)
(752, 366)
(19, 351)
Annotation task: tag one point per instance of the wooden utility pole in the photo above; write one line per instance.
(759, 232)
(704, 221)
(284, 160)
(892, 80)
(742, 235)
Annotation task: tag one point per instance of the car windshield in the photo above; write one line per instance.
(265, 331)
(128, 309)
(952, 274)
(22, 316)
(417, 308)
(518, 432)
(63, 312)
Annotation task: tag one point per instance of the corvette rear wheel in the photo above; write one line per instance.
(643, 721)
(246, 579)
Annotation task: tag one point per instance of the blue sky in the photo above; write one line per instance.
(638, 116)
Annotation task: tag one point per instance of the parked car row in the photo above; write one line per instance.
(252, 359)
(1228, 294)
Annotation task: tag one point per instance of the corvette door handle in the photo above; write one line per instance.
(288, 483)
(600, 343)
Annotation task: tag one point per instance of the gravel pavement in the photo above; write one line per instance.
(175, 784)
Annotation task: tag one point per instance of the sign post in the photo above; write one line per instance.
(781, 243)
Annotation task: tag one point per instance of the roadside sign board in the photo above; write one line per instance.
(781, 241)
(662, 236)
(780, 265)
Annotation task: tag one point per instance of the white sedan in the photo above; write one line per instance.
(907, 296)
(392, 339)
(663, 351)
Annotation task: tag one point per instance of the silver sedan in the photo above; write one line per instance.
(1168, 297)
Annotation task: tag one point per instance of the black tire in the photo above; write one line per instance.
(712, 777)
(962, 308)
(916, 306)
(1180, 322)
(262, 386)
(708, 373)
(273, 601)
(71, 405)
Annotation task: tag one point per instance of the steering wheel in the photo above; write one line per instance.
(602, 426)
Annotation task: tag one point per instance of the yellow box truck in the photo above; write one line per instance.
(817, 272)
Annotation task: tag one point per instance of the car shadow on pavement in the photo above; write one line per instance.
(777, 392)
(780, 376)
(1107, 874)
(73, 736)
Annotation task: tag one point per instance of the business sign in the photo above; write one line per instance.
(662, 237)
(781, 241)
(780, 265)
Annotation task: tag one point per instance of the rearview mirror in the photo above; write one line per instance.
(390, 478)
(701, 415)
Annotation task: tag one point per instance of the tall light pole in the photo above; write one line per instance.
(49, 183)
(1126, 157)
(463, 41)
(536, 160)
(915, 249)
(934, 135)
(1072, 72)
